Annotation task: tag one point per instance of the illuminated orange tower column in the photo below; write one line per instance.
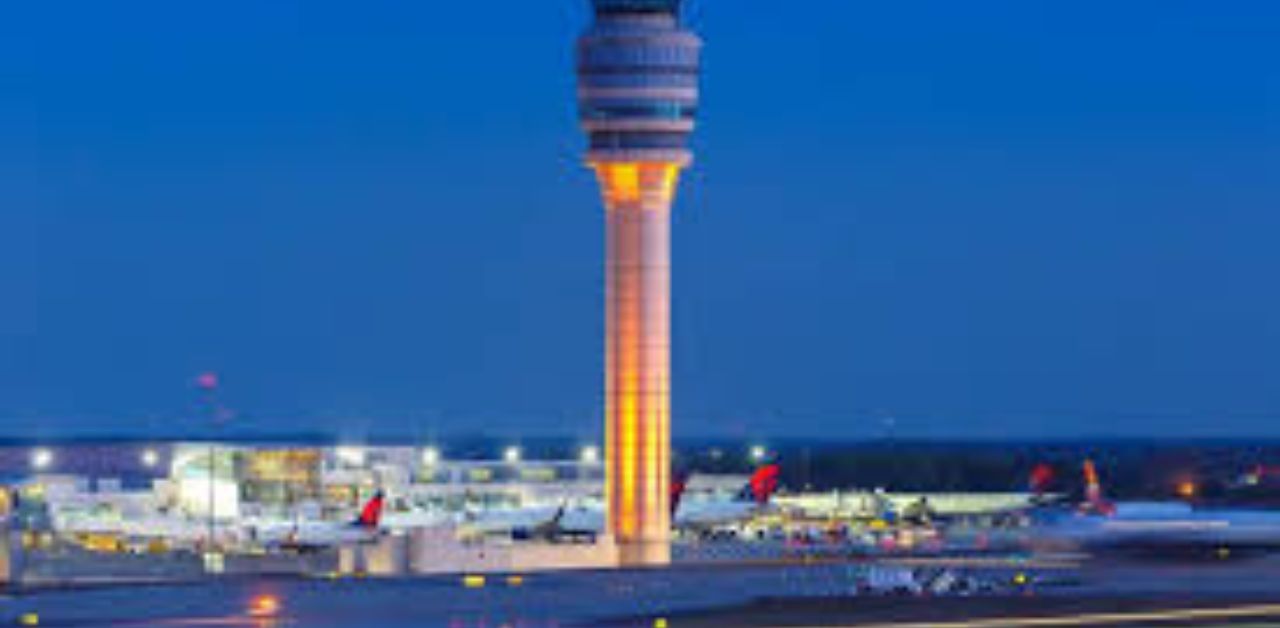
(638, 356)
(637, 95)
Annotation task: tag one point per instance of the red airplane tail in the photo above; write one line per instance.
(1041, 480)
(763, 484)
(371, 514)
(678, 483)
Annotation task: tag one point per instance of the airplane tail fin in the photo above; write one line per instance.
(371, 514)
(1042, 477)
(1093, 497)
(762, 485)
(679, 481)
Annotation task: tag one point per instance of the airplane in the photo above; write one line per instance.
(114, 532)
(584, 527)
(116, 522)
(709, 516)
(585, 522)
(413, 519)
(311, 536)
(575, 522)
(1159, 529)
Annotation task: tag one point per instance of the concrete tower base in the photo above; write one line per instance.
(644, 554)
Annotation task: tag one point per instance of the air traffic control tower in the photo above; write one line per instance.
(637, 96)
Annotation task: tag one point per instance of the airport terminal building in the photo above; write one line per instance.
(234, 480)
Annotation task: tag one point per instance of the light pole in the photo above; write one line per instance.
(512, 455)
(588, 457)
(41, 459)
(207, 384)
(430, 456)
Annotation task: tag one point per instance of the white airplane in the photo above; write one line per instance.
(706, 515)
(587, 521)
(129, 517)
(583, 521)
(1161, 529)
(174, 531)
(414, 519)
(305, 536)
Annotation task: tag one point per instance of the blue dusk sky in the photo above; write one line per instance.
(941, 218)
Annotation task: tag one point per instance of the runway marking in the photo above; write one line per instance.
(1099, 619)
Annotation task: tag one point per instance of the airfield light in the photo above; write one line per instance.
(264, 606)
(351, 456)
(1187, 489)
(430, 456)
(511, 455)
(41, 458)
(590, 454)
(150, 458)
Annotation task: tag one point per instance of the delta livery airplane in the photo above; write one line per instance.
(583, 523)
(306, 536)
(752, 500)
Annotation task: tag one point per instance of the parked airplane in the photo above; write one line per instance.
(584, 522)
(583, 527)
(706, 515)
(306, 536)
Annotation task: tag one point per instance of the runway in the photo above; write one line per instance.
(793, 594)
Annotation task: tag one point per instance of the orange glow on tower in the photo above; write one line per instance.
(637, 352)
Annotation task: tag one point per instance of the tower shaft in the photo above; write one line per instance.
(637, 200)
